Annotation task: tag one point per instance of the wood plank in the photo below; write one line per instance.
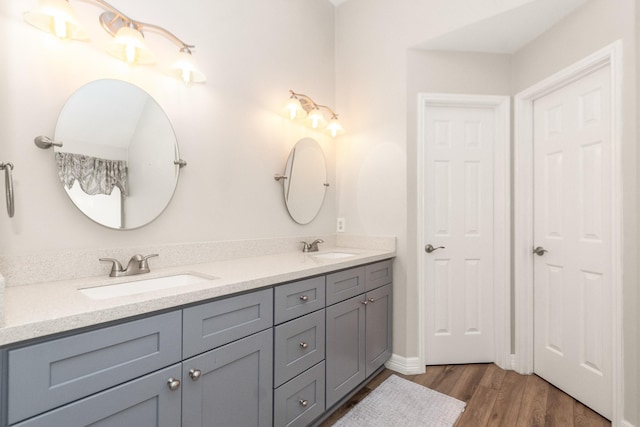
(501, 398)
(534, 402)
(586, 417)
(479, 408)
(493, 377)
(430, 375)
(445, 381)
(470, 379)
(507, 407)
(559, 408)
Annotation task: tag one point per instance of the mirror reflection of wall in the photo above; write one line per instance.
(306, 182)
(119, 126)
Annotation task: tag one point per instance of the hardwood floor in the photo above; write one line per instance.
(494, 397)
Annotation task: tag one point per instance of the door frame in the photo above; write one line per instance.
(501, 105)
(523, 210)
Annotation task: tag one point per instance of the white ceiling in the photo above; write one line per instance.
(507, 32)
(504, 33)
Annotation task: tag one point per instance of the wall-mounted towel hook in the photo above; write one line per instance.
(279, 177)
(45, 142)
(8, 186)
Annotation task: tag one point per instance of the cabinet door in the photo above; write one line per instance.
(233, 385)
(345, 361)
(145, 402)
(378, 335)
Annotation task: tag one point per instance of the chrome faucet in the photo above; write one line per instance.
(311, 247)
(138, 264)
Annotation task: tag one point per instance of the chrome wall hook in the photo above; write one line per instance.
(8, 186)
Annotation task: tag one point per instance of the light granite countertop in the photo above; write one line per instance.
(40, 309)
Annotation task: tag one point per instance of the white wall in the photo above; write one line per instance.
(372, 39)
(230, 130)
(378, 77)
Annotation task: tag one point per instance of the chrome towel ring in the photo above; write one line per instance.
(8, 186)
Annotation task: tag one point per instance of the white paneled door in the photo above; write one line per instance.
(573, 229)
(458, 223)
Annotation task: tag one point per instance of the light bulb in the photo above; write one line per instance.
(294, 108)
(59, 27)
(315, 116)
(130, 53)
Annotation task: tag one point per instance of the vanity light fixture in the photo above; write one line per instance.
(128, 44)
(300, 106)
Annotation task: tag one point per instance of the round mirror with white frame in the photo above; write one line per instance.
(119, 160)
(305, 182)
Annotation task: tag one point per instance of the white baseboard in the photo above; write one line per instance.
(405, 365)
(625, 423)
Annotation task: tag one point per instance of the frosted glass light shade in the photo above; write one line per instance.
(334, 127)
(185, 69)
(128, 45)
(316, 118)
(294, 109)
(58, 18)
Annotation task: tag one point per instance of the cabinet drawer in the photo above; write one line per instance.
(345, 284)
(298, 298)
(51, 374)
(301, 400)
(378, 274)
(147, 401)
(211, 325)
(299, 344)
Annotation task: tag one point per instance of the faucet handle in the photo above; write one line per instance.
(315, 242)
(115, 268)
(305, 246)
(144, 265)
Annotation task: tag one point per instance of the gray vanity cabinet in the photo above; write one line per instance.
(231, 385)
(359, 334)
(378, 331)
(51, 374)
(345, 348)
(145, 402)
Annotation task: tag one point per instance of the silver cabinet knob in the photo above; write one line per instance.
(195, 374)
(304, 344)
(364, 302)
(371, 300)
(173, 384)
(303, 402)
(429, 248)
(539, 250)
(304, 298)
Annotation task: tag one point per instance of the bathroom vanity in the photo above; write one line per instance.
(284, 353)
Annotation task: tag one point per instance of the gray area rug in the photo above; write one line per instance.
(398, 402)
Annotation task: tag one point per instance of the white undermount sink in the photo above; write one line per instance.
(145, 285)
(333, 255)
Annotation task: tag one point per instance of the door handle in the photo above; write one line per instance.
(539, 250)
(429, 248)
